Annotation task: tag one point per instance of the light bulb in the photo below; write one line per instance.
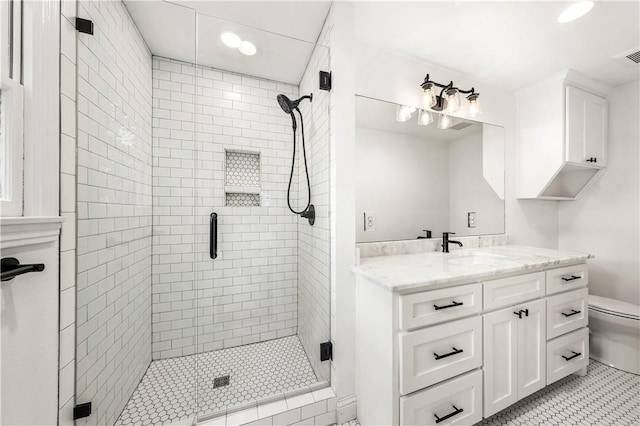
(429, 99)
(575, 11)
(473, 107)
(445, 122)
(453, 100)
(424, 117)
(247, 48)
(231, 40)
(404, 112)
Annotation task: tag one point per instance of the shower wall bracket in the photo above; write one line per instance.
(326, 351)
(84, 25)
(325, 80)
(81, 411)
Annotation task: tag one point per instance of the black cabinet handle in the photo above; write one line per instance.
(573, 312)
(453, 304)
(11, 268)
(454, 352)
(573, 277)
(519, 313)
(569, 358)
(522, 311)
(448, 416)
(592, 160)
(213, 235)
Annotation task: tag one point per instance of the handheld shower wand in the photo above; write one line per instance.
(289, 106)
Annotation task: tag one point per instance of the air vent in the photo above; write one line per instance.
(629, 57)
(461, 126)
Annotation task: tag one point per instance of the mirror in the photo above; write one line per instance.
(411, 178)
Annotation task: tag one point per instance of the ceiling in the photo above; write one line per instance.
(508, 44)
(381, 115)
(284, 33)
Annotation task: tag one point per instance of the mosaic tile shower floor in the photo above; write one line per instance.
(166, 393)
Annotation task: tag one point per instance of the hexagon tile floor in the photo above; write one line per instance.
(604, 397)
(167, 391)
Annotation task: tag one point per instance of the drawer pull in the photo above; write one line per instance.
(573, 312)
(571, 278)
(454, 352)
(453, 304)
(569, 358)
(448, 416)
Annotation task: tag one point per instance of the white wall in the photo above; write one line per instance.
(605, 222)
(113, 333)
(402, 179)
(470, 192)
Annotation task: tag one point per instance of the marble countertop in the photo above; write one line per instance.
(431, 270)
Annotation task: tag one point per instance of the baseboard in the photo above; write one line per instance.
(346, 409)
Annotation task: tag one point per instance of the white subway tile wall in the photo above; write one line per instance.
(314, 274)
(249, 293)
(114, 151)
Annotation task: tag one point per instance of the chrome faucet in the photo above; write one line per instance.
(446, 241)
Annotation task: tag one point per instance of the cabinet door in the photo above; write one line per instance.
(500, 360)
(586, 127)
(576, 103)
(596, 130)
(531, 348)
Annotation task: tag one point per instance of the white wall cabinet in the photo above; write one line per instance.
(586, 127)
(561, 136)
(514, 354)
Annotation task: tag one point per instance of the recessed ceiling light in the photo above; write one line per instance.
(247, 48)
(231, 40)
(574, 11)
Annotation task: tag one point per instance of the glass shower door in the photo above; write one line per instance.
(251, 341)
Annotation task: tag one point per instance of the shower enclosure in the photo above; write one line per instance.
(198, 291)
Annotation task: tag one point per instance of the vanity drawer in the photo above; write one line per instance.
(513, 290)
(568, 278)
(434, 354)
(566, 312)
(567, 354)
(431, 307)
(459, 398)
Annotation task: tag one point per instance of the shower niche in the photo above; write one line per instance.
(242, 178)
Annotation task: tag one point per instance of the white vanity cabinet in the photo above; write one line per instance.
(457, 354)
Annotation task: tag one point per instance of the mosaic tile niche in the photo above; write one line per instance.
(242, 178)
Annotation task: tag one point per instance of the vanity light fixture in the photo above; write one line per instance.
(473, 105)
(575, 11)
(444, 122)
(449, 98)
(424, 117)
(404, 112)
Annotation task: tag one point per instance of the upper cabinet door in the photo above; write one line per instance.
(586, 127)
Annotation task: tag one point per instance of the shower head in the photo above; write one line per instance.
(288, 105)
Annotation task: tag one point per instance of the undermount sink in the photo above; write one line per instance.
(473, 258)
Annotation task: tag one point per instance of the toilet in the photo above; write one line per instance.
(615, 333)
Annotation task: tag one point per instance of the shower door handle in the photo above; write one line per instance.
(213, 235)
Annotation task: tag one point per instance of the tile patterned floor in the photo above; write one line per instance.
(604, 397)
(167, 393)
